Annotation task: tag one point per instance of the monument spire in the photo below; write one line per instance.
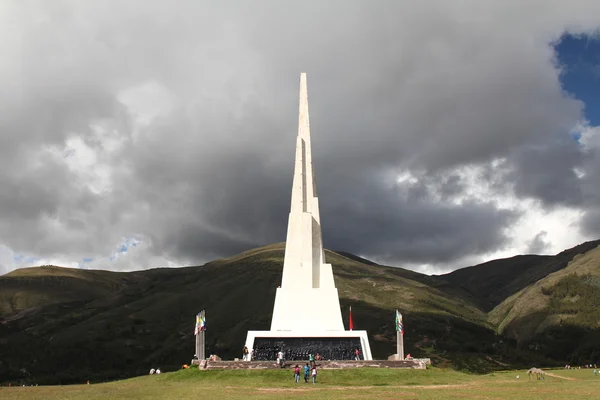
(304, 245)
(304, 268)
(307, 305)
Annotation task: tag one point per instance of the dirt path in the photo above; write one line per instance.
(560, 377)
(455, 386)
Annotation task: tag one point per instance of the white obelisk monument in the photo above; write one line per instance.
(307, 303)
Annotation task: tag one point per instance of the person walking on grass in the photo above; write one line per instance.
(297, 373)
(306, 372)
(314, 374)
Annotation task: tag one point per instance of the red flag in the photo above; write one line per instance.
(351, 323)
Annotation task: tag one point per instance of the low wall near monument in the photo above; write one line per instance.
(419, 363)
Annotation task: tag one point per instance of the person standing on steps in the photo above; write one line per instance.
(245, 353)
(311, 359)
(297, 373)
(280, 359)
(306, 372)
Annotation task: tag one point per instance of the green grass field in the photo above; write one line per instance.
(332, 384)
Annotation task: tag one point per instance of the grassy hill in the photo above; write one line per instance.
(26, 289)
(492, 282)
(559, 314)
(61, 325)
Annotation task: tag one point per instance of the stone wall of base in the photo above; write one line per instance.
(420, 363)
(394, 357)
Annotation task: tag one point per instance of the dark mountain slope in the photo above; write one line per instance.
(27, 289)
(492, 282)
(558, 315)
(355, 258)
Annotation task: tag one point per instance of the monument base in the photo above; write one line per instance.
(206, 365)
(331, 345)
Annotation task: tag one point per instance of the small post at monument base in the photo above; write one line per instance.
(201, 346)
(399, 345)
(200, 336)
(201, 353)
(197, 351)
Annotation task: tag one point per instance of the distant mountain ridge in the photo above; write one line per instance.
(64, 325)
(494, 281)
(557, 311)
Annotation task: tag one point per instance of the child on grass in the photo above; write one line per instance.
(306, 372)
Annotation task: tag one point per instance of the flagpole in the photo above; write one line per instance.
(402, 344)
(197, 339)
(399, 337)
(398, 345)
(201, 345)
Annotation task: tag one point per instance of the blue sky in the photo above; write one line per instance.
(580, 58)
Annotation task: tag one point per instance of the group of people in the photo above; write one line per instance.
(310, 369)
(584, 366)
(308, 372)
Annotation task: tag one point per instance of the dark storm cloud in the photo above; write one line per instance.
(591, 223)
(538, 244)
(395, 224)
(547, 172)
(591, 190)
(451, 186)
(189, 114)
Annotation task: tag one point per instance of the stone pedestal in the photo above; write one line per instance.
(321, 365)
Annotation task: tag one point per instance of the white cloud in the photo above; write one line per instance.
(148, 101)
(560, 224)
(590, 137)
